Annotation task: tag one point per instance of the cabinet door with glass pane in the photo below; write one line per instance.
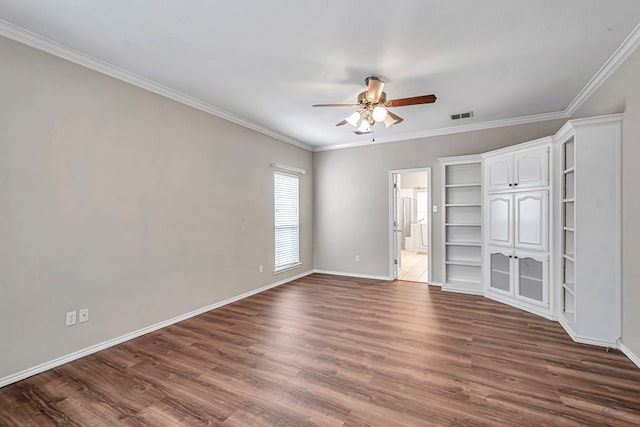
(531, 277)
(500, 278)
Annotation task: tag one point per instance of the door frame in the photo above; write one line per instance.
(394, 250)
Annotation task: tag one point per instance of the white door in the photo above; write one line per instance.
(499, 173)
(395, 192)
(499, 220)
(531, 220)
(531, 168)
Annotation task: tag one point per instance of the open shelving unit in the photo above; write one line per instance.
(568, 231)
(462, 225)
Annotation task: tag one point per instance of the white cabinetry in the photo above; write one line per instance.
(517, 226)
(462, 225)
(588, 232)
(521, 277)
(525, 169)
(519, 220)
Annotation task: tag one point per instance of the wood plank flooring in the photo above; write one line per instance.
(333, 351)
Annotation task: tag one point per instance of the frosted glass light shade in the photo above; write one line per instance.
(380, 114)
(388, 121)
(353, 119)
(364, 126)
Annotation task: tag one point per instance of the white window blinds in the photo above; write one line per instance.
(287, 221)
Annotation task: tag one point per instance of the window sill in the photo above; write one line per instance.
(287, 268)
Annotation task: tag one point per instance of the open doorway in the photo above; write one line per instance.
(411, 224)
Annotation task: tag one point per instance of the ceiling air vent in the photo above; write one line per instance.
(462, 115)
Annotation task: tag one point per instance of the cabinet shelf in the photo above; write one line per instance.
(460, 281)
(469, 263)
(463, 243)
(570, 287)
(463, 185)
(462, 218)
(569, 170)
(572, 229)
(569, 200)
(569, 257)
(535, 279)
(495, 270)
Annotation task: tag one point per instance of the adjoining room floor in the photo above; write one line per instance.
(413, 266)
(334, 351)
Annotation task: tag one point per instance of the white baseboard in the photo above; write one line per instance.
(439, 284)
(585, 340)
(126, 337)
(462, 290)
(359, 275)
(529, 309)
(630, 354)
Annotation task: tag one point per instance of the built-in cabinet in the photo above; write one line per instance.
(537, 226)
(588, 229)
(519, 275)
(524, 169)
(462, 225)
(516, 252)
(518, 220)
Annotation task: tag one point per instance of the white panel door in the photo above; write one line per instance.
(531, 168)
(531, 220)
(499, 173)
(500, 220)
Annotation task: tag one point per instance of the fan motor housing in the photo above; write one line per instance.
(362, 98)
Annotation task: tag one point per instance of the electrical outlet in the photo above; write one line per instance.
(261, 268)
(71, 318)
(84, 315)
(357, 258)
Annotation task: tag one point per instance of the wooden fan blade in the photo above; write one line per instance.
(374, 89)
(415, 100)
(395, 117)
(336, 105)
(342, 123)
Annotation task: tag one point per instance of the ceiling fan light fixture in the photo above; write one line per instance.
(353, 119)
(364, 127)
(380, 114)
(388, 121)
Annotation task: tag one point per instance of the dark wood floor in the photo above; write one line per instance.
(333, 351)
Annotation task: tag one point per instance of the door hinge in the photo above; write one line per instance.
(395, 262)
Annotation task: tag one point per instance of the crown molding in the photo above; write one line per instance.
(60, 50)
(614, 61)
(37, 41)
(453, 129)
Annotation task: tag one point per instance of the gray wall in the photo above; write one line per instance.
(621, 93)
(124, 202)
(352, 193)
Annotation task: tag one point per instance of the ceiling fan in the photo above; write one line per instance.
(373, 107)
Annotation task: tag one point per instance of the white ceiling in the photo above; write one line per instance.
(266, 62)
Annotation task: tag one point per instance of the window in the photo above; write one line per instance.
(287, 221)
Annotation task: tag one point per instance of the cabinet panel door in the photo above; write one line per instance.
(531, 220)
(500, 220)
(531, 278)
(499, 173)
(531, 168)
(500, 271)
